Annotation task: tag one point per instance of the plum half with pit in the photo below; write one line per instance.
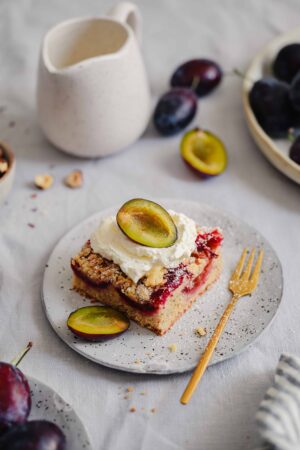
(174, 111)
(147, 223)
(15, 399)
(270, 103)
(287, 62)
(202, 75)
(97, 323)
(34, 435)
(203, 152)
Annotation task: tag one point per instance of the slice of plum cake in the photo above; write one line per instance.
(163, 294)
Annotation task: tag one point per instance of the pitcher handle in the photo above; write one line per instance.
(127, 12)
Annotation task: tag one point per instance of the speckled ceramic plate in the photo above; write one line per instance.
(48, 405)
(138, 350)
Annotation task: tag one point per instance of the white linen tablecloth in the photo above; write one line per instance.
(221, 414)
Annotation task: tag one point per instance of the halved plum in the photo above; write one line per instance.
(96, 323)
(204, 152)
(147, 223)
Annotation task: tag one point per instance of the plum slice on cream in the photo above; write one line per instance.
(147, 223)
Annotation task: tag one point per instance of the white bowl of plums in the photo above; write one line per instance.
(7, 171)
(271, 98)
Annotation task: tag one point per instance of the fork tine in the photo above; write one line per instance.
(256, 271)
(247, 271)
(238, 270)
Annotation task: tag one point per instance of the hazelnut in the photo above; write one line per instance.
(43, 182)
(74, 179)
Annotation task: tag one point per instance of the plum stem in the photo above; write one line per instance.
(291, 136)
(16, 361)
(240, 74)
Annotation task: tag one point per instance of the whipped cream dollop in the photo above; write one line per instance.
(136, 260)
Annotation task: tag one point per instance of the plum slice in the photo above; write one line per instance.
(147, 223)
(204, 152)
(96, 323)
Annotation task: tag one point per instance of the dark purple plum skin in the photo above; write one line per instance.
(295, 151)
(34, 435)
(15, 399)
(174, 111)
(204, 73)
(287, 62)
(4, 428)
(270, 103)
(199, 173)
(295, 93)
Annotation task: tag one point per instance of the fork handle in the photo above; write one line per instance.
(208, 352)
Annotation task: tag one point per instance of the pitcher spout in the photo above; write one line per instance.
(79, 41)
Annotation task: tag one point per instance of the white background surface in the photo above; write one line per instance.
(221, 415)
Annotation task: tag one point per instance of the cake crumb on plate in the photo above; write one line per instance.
(172, 347)
(200, 331)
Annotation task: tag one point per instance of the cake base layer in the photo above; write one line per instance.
(159, 322)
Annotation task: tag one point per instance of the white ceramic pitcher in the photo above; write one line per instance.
(93, 96)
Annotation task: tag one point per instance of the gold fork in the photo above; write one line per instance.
(241, 283)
